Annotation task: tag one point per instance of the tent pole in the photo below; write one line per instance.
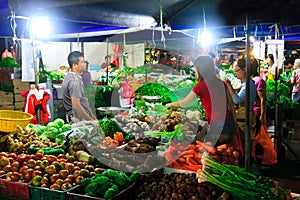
(107, 52)
(248, 128)
(124, 57)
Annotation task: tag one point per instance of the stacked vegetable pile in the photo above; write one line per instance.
(154, 89)
(48, 171)
(21, 140)
(240, 183)
(53, 131)
(108, 183)
(188, 156)
(178, 186)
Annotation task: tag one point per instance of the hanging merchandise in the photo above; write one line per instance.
(36, 104)
(263, 150)
(6, 53)
(259, 50)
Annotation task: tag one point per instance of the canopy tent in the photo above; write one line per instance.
(94, 20)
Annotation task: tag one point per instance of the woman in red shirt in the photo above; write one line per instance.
(212, 93)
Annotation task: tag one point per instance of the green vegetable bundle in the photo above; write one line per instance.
(109, 127)
(154, 89)
(108, 184)
(240, 183)
(9, 62)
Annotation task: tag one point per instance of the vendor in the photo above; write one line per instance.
(107, 64)
(75, 102)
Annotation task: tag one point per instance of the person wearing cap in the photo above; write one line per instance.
(295, 80)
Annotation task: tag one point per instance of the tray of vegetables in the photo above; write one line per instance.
(110, 184)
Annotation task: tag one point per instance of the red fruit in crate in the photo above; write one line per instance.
(67, 180)
(69, 166)
(15, 166)
(44, 180)
(44, 164)
(28, 176)
(65, 186)
(44, 186)
(38, 156)
(11, 160)
(23, 169)
(51, 158)
(7, 168)
(2, 172)
(4, 161)
(53, 178)
(60, 156)
(28, 157)
(12, 155)
(50, 169)
(55, 187)
(31, 163)
(76, 173)
(37, 173)
(78, 180)
(63, 173)
(59, 181)
(15, 176)
(21, 158)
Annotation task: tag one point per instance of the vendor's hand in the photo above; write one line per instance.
(170, 105)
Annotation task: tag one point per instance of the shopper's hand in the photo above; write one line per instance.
(169, 105)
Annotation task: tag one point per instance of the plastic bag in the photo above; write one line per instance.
(127, 90)
(263, 150)
(237, 142)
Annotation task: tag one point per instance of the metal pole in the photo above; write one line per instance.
(124, 57)
(247, 132)
(107, 52)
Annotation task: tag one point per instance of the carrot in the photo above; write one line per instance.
(187, 152)
(181, 159)
(197, 155)
(192, 146)
(193, 168)
(191, 161)
(222, 147)
(188, 156)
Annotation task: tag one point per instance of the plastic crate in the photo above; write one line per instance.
(14, 189)
(38, 193)
(77, 193)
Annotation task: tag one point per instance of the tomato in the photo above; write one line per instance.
(59, 156)
(77, 168)
(44, 186)
(15, 176)
(23, 169)
(63, 173)
(67, 180)
(11, 160)
(76, 173)
(59, 181)
(28, 176)
(50, 169)
(38, 167)
(62, 165)
(7, 168)
(28, 157)
(15, 166)
(44, 164)
(65, 186)
(38, 156)
(21, 158)
(31, 163)
(70, 176)
(98, 170)
(90, 168)
(69, 166)
(55, 187)
(53, 178)
(71, 159)
(2, 172)
(12, 155)
(44, 180)
(51, 158)
(37, 173)
(85, 173)
(78, 179)
(4, 161)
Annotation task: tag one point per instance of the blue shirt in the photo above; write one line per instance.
(241, 96)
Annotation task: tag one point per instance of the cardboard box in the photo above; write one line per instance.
(6, 98)
(21, 88)
(18, 97)
(19, 105)
(7, 107)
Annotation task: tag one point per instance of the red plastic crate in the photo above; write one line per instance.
(14, 189)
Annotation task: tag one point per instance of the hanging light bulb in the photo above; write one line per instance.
(40, 27)
(206, 38)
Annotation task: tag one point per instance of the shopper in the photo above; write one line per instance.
(85, 74)
(260, 106)
(295, 80)
(272, 67)
(75, 103)
(239, 98)
(211, 91)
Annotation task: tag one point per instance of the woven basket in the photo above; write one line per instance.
(9, 119)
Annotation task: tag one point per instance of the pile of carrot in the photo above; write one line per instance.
(188, 156)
